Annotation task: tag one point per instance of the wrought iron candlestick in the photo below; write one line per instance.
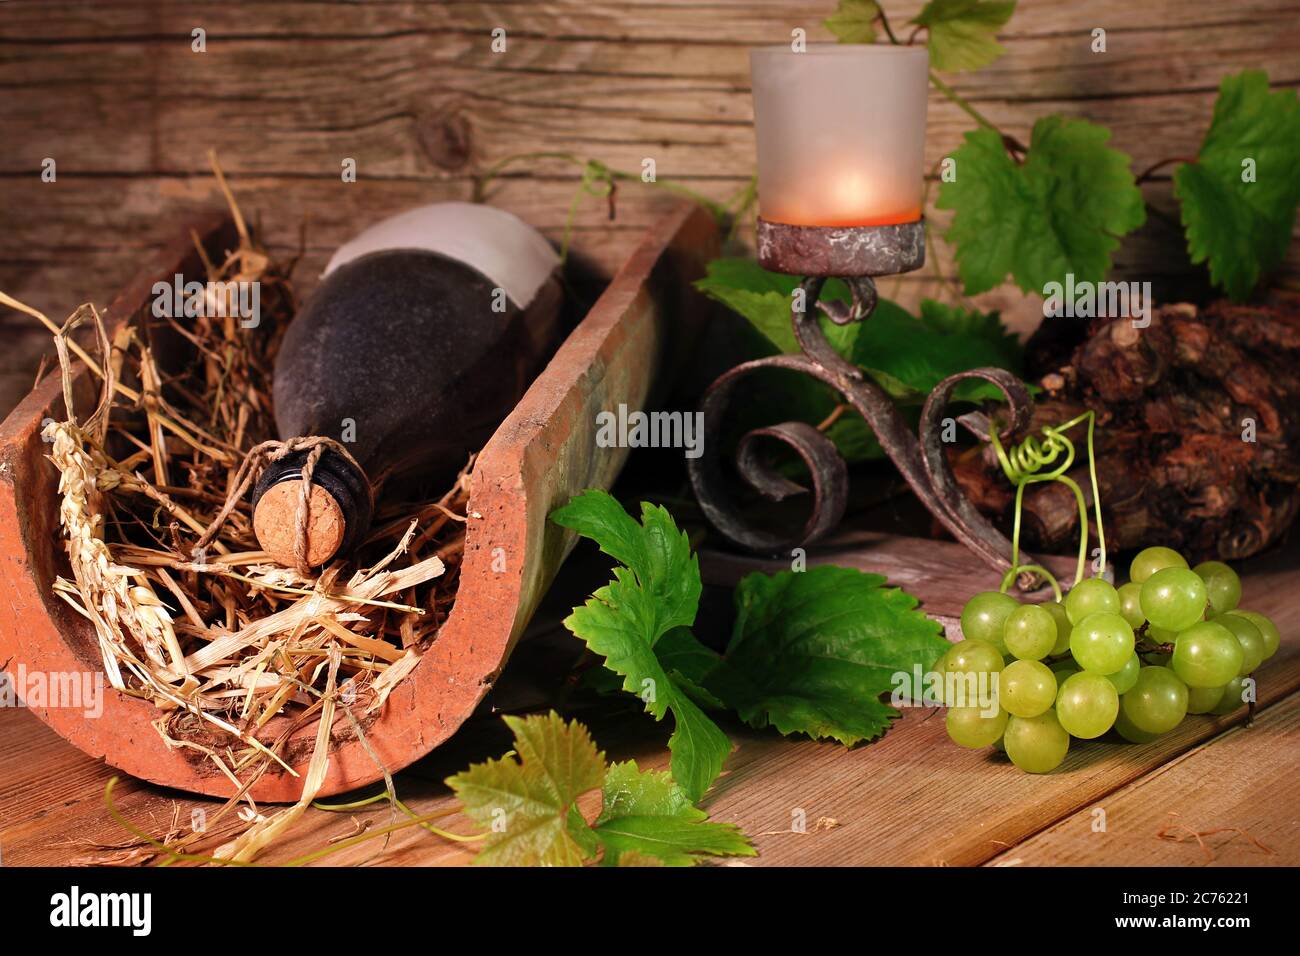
(855, 254)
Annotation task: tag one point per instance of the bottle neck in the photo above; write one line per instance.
(337, 524)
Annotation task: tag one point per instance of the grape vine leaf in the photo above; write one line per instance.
(986, 326)
(811, 652)
(962, 33)
(686, 660)
(1237, 217)
(647, 814)
(658, 590)
(688, 663)
(894, 345)
(655, 551)
(1059, 212)
(853, 21)
(528, 805)
(637, 858)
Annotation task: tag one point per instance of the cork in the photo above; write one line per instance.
(275, 521)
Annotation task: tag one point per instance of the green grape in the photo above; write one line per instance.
(970, 727)
(1087, 705)
(972, 657)
(1158, 701)
(967, 680)
(1062, 674)
(1231, 698)
(1207, 655)
(1151, 560)
(940, 666)
(1251, 640)
(1222, 585)
(1026, 688)
(1174, 598)
(1036, 744)
(935, 683)
(1030, 632)
(1130, 607)
(1267, 629)
(1201, 700)
(1124, 727)
(1091, 596)
(1063, 669)
(1063, 626)
(985, 615)
(1161, 635)
(1102, 643)
(1126, 676)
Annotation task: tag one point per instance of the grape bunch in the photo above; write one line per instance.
(1136, 659)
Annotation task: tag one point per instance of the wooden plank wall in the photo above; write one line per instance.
(287, 90)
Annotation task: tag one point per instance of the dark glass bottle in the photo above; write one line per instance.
(424, 333)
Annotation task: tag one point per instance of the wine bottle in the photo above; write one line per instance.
(424, 333)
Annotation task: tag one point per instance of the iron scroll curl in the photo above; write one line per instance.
(919, 457)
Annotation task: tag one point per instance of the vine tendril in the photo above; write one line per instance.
(1023, 465)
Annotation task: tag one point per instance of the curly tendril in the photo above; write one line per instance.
(1024, 464)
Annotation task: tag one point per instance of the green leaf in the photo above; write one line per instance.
(656, 552)
(852, 21)
(658, 591)
(682, 656)
(649, 815)
(1243, 229)
(1060, 212)
(962, 32)
(698, 746)
(898, 345)
(689, 663)
(527, 804)
(637, 858)
(813, 651)
(986, 326)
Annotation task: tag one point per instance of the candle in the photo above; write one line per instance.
(841, 133)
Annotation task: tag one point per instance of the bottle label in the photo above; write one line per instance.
(499, 245)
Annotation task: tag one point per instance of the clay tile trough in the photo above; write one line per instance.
(540, 456)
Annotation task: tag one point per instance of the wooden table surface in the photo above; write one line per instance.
(288, 90)
(910, 798)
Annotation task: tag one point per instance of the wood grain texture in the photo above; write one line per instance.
(414, 93)
(1241, 784)
(910, 798)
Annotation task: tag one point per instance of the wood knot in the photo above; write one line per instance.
(446, 137)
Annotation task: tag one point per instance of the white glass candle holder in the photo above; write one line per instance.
(841, 133)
